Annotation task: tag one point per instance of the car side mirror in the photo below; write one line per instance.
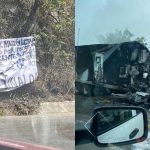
(119, 125)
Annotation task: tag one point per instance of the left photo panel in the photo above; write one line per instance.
(37, 104)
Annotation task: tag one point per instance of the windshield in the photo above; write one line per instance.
(112, 54)
(36, 73)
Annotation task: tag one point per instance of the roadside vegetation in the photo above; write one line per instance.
(51, 22)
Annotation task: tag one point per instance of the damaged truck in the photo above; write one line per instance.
(119, 70)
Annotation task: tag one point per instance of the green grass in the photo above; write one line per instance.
(2, 112)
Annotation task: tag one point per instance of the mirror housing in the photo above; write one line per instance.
(119, 125)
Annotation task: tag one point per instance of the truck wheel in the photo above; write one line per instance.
(101, 91)
(87, 90)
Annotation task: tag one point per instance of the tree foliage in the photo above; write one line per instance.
(142, 40)
(55, 32)
(120, 36)
(116, 37)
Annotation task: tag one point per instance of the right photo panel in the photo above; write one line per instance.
(112, 74)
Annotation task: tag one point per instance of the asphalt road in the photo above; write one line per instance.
(55, 130)
(84, 109)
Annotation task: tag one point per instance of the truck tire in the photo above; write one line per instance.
(87, 90)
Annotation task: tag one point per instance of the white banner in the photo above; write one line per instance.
(17, 62)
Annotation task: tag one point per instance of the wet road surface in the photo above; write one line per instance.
(55, 130)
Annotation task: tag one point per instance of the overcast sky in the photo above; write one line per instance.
(99, 17)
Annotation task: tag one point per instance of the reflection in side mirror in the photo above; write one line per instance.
(119, 125)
